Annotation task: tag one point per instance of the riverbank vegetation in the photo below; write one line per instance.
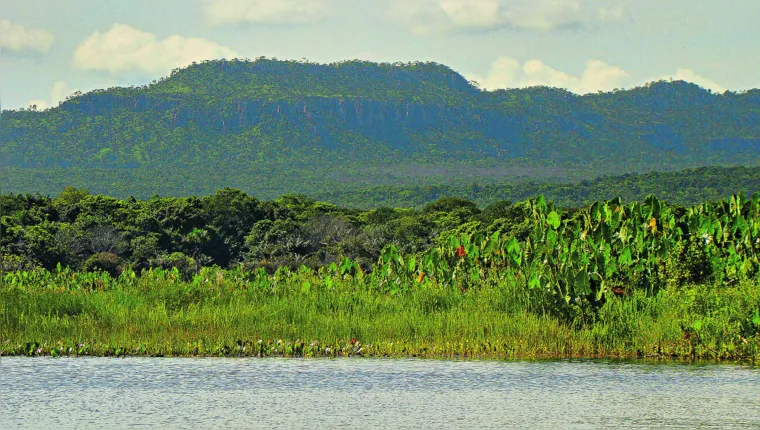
(229, 275)
(307, 315)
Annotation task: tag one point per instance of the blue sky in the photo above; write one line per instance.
(51, 48)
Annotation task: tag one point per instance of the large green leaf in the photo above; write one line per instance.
(513, 246)
(582, 283)
(541, 205)
(625, 258)
(551, 238)
(553, 220)
(534, 281)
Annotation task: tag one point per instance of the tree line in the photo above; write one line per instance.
(96, 232)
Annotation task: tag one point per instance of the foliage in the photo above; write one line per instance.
(577, 260)
(338, 311)
(104, 262)
(685, 187)
(578, 255)
(566, 263)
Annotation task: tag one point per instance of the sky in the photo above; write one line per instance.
(51, 48)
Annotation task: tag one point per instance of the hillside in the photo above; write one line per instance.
(274, 127)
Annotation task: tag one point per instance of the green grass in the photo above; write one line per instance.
(310, 315)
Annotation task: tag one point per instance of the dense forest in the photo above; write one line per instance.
(228, 228)
(684, 187)
(273, 127)
(96, 232)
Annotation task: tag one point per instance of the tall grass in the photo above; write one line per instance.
(304, 314)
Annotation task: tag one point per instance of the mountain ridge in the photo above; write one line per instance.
(356, 121)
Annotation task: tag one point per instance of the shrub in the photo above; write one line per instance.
(16, 263)
(104, 262)
(185, 264)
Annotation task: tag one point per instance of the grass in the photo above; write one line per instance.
(307, 315)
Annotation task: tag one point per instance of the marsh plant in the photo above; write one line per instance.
(608, 280)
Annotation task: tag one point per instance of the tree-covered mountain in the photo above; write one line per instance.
(274, 127)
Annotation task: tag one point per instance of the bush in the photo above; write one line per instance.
(16, 263)
(104, 262)
(185, 264)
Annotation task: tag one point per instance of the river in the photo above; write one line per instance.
(372, 393)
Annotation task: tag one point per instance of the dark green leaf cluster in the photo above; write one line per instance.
(227, 228)
(574, 254)
(570, 262)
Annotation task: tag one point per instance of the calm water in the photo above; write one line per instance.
(254, 393)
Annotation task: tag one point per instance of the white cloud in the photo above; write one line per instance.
(478, 14)
(58, 93)
(614, 13)
(123, 48)
(423, 16)
(689, 75)
(599, 75)
(419, 18)
(15, 37)
(506, 72)
(545, 15)
(220, 12)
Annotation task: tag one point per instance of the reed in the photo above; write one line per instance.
(307, 314)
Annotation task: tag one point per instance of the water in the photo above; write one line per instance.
(280, 393)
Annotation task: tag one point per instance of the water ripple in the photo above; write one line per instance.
(294, 393)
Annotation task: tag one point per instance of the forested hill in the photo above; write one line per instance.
(274, 127)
